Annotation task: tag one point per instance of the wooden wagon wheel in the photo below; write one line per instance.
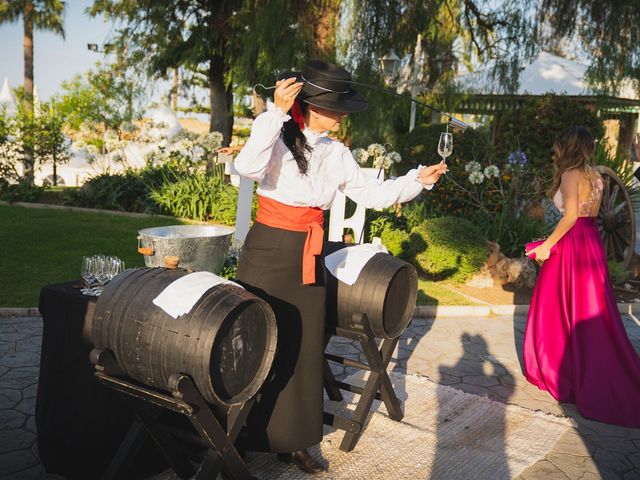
(616, 219)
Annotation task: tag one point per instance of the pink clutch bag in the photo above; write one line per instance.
(531, 245)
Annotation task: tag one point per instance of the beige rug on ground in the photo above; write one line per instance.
(446, 434)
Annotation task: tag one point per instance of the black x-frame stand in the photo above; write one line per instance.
(377, 387)
(186, 400)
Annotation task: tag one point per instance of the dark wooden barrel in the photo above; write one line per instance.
(226, 343)
(386, 291)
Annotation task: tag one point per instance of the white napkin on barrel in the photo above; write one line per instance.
(347, 263)
(181, 295)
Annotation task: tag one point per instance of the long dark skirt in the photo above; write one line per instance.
(288, 413)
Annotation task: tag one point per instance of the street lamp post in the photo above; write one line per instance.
(390, 66)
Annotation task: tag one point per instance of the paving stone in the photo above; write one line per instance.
(20, 377)
(20, 359)
(27, 405)
(343, 349)
(34, 473)
(572, 443)
(11, 419)
(33, 344)
(30, 425)
(16, 336)
(542, 470)
(17, 439)
(573, 466)
(6, 347)
(30, 392)
(9, 398)
(635, 459)
(13, 462)
(446, 379)
(613, 460)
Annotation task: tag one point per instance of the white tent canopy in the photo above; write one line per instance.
(547, 73)
(6, 98)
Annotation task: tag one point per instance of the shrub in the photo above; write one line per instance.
(128, 191)
(394, 231)
(617, 272)
(455, 248)
(20, 192)
(200, 197)
(511, 231)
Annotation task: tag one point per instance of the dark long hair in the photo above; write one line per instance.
(573, 149)
(296, 142)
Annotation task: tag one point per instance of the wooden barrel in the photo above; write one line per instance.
(386, 291)
(226, 343)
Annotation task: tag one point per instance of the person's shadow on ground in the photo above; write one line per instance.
(480, 368)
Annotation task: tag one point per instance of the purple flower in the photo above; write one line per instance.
(517, 157)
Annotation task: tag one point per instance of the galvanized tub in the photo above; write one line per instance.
(197, 247)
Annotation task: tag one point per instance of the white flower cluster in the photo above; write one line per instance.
(376, 156)
(477, 175)
(186, 146)
(472, 167)
(376, 150)
(361, 156)
(491, 171)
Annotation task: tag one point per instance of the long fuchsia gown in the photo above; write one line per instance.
(575, 345)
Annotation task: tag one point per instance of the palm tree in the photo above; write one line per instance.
(42, 15)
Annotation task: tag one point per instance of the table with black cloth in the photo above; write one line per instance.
(80, 423)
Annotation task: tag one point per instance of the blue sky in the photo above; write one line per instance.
(55, 59)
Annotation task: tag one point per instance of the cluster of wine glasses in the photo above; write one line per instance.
(96, 272)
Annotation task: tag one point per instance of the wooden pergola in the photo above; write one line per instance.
(623, 110)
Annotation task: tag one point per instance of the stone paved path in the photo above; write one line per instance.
(478, 355)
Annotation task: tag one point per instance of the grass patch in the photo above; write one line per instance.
(43, 246)
(435, 293)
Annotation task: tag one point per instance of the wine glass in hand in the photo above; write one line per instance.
(445, 145)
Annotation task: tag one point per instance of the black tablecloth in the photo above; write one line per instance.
(80, 422)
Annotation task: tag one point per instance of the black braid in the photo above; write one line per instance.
(296, 142)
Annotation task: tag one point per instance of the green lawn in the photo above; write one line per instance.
(43, 246)
(435, 293)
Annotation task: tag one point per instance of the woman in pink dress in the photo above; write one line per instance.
(575, 345)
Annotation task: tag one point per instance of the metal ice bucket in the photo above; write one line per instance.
(198, 247)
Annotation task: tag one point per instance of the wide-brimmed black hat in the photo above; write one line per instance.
(327, 85)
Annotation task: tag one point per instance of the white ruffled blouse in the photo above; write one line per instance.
(266, 159)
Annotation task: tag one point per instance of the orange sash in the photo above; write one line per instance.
(297, 219)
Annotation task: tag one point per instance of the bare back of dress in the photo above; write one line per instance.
(589, 193)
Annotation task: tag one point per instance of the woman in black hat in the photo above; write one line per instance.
(299, 170)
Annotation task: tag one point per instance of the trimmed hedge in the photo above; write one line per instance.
(455, 248)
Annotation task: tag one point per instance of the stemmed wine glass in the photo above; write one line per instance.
(87, 273)
(445, 145)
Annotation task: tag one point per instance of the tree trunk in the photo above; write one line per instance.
(174, 90)
(27, 15)
(319, 19)
(221, 100)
